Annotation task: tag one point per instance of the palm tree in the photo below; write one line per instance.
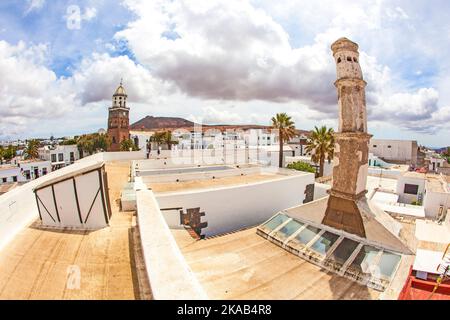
(321, 146)
(32, 150)
(286, 131)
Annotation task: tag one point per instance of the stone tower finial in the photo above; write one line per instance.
(346, 55)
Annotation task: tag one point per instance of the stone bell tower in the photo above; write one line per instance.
(118, 119)
(352, 143)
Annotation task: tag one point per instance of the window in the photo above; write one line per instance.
(60, 157)
(72, 157)
(4, 180)
(14, 179)
(349, 59)
(339, 60)
(355, 60)
(389, 147)
(411, 188)
(53, 157)
(44, 171)
(374, 145)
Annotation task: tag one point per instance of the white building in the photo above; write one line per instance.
(399, 151)
(59, 156)
(434, 161)
(430, 190)
(24, 171)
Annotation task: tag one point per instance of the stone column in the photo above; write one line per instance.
(352, 142)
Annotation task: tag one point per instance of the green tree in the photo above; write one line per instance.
(89, 144)
(168, 139)
(158, 138)
(127, 145)
(32, 149)
(301, 166)
(68, 142)
(286, 131)
(7, 153)
(321, 146)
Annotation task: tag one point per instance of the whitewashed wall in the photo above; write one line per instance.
(408, 198)
(232, 208)
(432, 202)
(320, 190)
(169, 276)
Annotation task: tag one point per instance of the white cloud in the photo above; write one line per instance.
(34, 5)
(228, 50)
(89, 14)
(28, 90)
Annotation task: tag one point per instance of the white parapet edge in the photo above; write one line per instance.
(168, 272)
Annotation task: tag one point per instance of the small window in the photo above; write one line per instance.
(60, 157)
(355, 60)
(14, 179)
(411, 189)
(4, 180)
(389, 147)
(374, 145)
(339, 60)
(349, 59)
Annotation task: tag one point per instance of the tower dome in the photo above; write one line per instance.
(120, 91)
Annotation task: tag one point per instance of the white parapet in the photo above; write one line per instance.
(169, 275)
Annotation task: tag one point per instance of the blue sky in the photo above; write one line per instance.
(221, 62)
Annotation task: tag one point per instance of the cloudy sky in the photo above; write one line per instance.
(222, 61)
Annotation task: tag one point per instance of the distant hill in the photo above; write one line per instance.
(159, 123)
(150, 123)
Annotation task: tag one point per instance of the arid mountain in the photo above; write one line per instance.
(158, 123)
(150, 123)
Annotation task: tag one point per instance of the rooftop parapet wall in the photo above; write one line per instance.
(169, 275)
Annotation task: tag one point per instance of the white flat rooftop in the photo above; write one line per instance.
(427, 261)
(385, 197)
(432, 232)
(406, 210)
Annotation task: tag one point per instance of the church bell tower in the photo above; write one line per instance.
(118, 119)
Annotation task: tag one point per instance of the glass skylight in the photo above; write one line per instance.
(289, 229)
(307, 234)
(344, 251)
(276, 221)
(364, 260)
(324, 243)
(388, 263)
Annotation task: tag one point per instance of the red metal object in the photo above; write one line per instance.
(418, 289)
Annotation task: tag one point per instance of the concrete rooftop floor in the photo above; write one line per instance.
(211, 183)
(243, 265)
(35, 265)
